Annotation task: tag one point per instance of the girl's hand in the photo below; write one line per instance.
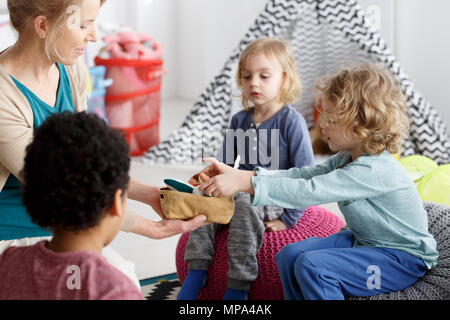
(275, 225)
(210, 171)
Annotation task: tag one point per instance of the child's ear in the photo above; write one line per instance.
(118, 206)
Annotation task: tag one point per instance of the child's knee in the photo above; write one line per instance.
(302, 265)
(287, 253)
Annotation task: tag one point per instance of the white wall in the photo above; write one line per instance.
(423, 48)
(158, 18)
(7, 35)
(207, 33)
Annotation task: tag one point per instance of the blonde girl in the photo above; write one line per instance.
(267, 133)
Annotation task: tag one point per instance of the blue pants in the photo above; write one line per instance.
(331, 268)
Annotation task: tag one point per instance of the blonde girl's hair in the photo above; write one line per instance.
(21, 12)
(280, 50)
(367, 99)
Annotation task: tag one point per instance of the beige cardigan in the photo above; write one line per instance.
(16, 123)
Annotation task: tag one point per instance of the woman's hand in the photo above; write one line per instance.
(210, 171)
(158, 229)
(275, 225)
(166, 228)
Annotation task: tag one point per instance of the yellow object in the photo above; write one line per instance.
(435, 186)
(432, 181)
(418, 166)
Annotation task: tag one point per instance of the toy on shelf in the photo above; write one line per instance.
(132, 46)
(133, 101)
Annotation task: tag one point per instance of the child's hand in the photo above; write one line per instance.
(210, 171)
(275, 225)
(228, 184)
(222, 185)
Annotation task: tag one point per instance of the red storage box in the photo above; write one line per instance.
(132, 103)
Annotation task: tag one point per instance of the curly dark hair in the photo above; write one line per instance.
(72, 170)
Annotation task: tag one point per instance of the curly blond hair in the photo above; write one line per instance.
(282, 51)
(367, 98)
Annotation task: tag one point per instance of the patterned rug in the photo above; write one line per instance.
(161, 288)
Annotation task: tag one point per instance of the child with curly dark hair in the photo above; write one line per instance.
(76, 180)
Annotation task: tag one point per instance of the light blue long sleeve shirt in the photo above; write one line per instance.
(375, 194)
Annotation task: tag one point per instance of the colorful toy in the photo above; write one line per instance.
(133, 46)
(181, 186)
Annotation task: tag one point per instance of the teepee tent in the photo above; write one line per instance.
(325, 35)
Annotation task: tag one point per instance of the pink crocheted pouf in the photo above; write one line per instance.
(315, 222)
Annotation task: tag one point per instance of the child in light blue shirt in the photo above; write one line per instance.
(387, 247)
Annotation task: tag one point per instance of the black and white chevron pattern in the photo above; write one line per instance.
(325, 35)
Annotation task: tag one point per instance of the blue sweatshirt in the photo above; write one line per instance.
(280, 142)
(377, 197)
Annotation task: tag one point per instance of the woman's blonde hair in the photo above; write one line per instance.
(280, 50)
(21, 12)
(367, 99)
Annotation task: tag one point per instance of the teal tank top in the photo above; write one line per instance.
(15, 223)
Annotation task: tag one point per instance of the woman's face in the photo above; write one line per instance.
(78, 30)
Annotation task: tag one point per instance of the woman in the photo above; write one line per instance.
(42, 74)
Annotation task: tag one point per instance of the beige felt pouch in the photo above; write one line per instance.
(184, 206)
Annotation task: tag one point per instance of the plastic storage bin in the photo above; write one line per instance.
(133, 100)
